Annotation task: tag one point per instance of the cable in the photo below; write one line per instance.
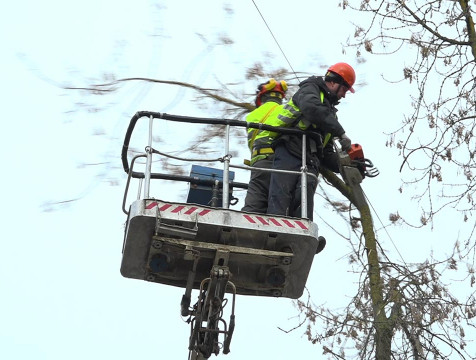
(378, 217)
(277, 43)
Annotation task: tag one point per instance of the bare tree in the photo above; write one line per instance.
(437, 138)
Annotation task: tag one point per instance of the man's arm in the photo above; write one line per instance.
(307, 98)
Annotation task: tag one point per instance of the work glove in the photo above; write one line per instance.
(345, 142)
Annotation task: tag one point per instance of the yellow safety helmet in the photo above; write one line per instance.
(272, 87)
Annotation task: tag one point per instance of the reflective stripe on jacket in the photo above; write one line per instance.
(292, 116)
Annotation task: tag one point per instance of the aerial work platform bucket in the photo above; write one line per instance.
(176, 243)
(203, 245)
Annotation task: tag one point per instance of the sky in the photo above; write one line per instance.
(62, 294)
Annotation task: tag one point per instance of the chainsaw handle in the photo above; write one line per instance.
(372, 173)
(367, 166)
(363, 162)
(368, 163)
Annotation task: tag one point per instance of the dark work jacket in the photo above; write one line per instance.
(323, 119)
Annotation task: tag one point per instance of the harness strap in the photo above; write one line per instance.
(326, 139)
(262, 151)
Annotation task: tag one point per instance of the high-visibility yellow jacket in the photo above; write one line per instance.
(259, 141)
(257, 137)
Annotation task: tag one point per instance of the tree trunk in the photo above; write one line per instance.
(382, 324)
(469, 25)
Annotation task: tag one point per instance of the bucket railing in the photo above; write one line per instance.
(147, 175)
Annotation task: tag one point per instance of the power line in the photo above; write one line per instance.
(277, 43)
(378, 217)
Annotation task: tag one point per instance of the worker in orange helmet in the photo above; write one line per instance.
(313, 109)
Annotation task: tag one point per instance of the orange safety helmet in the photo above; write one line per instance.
(346, 72)
(272, 87)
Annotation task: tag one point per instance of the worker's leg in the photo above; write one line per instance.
(282, 186)
(257, 195)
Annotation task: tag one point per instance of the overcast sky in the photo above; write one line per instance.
(62, 294)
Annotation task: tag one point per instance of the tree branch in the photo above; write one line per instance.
(425, 26)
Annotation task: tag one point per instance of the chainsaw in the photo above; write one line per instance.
(357, 159)
(354, 167)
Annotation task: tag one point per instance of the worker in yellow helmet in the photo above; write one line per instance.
(269, 97)
(313, 109)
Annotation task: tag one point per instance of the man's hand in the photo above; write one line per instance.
(345, 142)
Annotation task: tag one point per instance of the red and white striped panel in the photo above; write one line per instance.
(187, 210)
(253, 219)
(256, 219)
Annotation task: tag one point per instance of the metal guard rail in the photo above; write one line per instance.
(195, 120)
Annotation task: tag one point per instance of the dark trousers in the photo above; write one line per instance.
(285, 189)
(257, 195)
